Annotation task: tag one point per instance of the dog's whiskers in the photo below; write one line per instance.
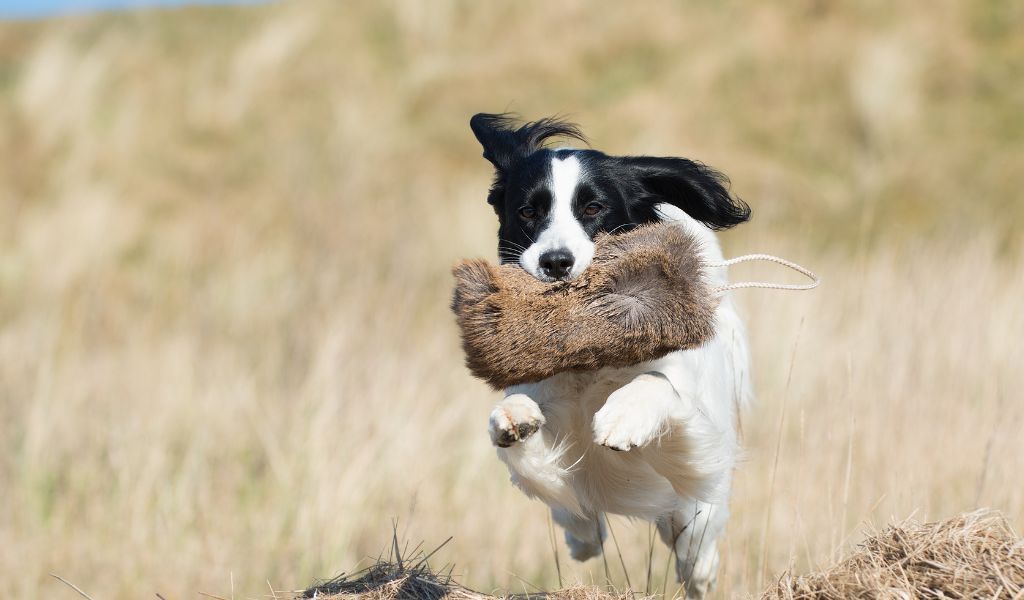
(507, 258)
(512, 244)
(621, 226)
(509, 254)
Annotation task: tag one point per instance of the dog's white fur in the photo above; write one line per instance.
(564, 231)
(657, 440)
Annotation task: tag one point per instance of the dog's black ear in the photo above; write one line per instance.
(697, 189)
(505, 141)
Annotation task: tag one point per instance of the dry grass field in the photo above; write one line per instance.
(226, 356)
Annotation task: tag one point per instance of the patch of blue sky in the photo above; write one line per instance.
(37, 9)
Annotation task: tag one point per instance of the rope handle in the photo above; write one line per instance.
(815, 280)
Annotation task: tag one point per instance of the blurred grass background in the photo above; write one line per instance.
(225, 352)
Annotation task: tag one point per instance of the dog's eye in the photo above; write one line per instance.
(527, 212)
(592, 209)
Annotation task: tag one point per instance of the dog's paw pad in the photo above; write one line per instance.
(505, 436)
(514, 420)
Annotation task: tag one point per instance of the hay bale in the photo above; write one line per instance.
(972, 555)
(407, 575)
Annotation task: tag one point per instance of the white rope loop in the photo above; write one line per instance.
(815, 280)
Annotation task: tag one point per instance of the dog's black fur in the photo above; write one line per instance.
(619, 192)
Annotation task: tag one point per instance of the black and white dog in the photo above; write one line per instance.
(657, 440)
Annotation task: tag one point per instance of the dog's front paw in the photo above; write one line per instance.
(514, 419)
(633, 416)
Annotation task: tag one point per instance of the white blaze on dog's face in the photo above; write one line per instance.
(563, 249)
(552, 203)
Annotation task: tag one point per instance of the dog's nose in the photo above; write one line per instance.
(556, 263)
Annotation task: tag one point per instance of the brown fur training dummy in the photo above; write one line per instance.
(642, 297)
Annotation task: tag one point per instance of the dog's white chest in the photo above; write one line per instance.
(563, 465)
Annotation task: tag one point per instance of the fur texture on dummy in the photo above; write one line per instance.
(643, 297)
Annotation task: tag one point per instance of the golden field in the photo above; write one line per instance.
(226, 357)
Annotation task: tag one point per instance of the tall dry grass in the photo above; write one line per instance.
(225, 353)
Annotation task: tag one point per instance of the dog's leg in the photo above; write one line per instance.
(672, 431)
(584, 535)
(695, 455)
(514, 419)
(692, 532)
(535, 457)
(637, 413)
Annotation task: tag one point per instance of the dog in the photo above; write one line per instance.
(656, 440)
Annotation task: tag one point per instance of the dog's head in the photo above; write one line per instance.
(552, 202)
